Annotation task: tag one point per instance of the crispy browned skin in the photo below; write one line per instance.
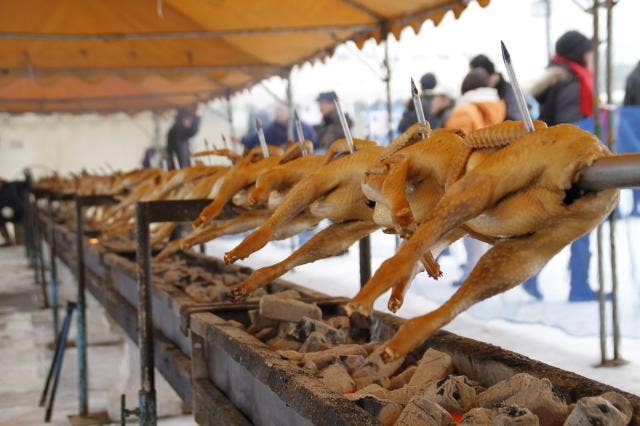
(331, 192)
(241, 175)
(515, 195)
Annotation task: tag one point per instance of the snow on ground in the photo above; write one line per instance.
(557, 332)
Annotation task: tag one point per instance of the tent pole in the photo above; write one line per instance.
(290, 131)
(612, 216)
(597, 131)
(232, 133)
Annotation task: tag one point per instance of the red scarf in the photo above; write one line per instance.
(585, 78)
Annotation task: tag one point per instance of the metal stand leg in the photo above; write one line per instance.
(53, 273)
(40, 265)
(56, 364)
(147, 394)
(81, 338)
(365, 260)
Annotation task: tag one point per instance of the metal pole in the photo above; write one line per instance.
(365, 260)
(547, 27)
(612, 216)
(53, 274)
(81, 338)
(290, 129)
(387, 83)
(232, 133)
(39, 255)
(147, 393)
(597, 131)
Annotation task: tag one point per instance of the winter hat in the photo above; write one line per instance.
(327, 97)
(573, 45)
(482, 61)
(428, 81)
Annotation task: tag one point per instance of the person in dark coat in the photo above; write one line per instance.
(277, 132)
(632, 88)
(497, 81)
(632, 98)
(11, 208)
(565, 91)
(409, 117)
(329, 128)
(184, 128)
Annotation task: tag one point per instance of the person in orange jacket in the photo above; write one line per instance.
(479, 105)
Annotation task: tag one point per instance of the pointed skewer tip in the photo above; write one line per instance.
(505, 53)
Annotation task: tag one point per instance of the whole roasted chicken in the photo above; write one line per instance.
(514, 190)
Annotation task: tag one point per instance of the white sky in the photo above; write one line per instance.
(446, 50)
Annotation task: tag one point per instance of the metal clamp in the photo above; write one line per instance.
(124, 412)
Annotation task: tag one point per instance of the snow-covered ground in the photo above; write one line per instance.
(553, 330)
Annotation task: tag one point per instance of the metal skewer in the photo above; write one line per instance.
(345, 125)
(207, 147)
(522, 105)
(298, 126)
(263, 141)
(417, 104)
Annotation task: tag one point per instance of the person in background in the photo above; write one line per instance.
(565, 90)
(441, 106)
(409, 117)
(632, 99)
(277, 132)
(479, 105)
(565, 94)
(497, 81)
(329, 128)
(184, 128)
(632, 88)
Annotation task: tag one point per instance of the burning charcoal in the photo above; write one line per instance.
(477, 417)
(266, 333)
(229, 279)
(421, 411)
(527, 391)
(340, 322)
(337, 379)
(306, 326)
(512, 415)
(218, 293)
(291, 355)
(283, 343)
(433, 366)
(315, 342)
(404, 394)
(258, 322)
(288, 294)
(352, 362)
(403, 378)
(198, 292)
(455, 394)
(330, 356)
(601, 410)
(277, 308)
(384, 410)
(236, 324)
(373, 389)
(310, 367)
(375, 369)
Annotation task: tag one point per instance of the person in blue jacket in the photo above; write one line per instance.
(277, 132)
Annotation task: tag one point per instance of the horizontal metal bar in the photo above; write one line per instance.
(203, 94)
(172, 210)
(619, 171)
(179, 35)
(95, 200)
(246, 68)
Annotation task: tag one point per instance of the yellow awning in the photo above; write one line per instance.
(117, 55)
